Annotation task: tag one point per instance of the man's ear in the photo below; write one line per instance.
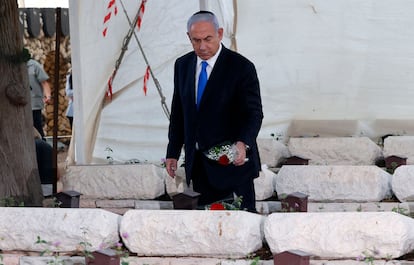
(220, 33)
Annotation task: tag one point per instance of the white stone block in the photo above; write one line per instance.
(272, 151)
(403, 183)
(131, 181)
(402, 146)
(199, 233)
(336, 150)
(263, 185)
(341, 235)
(358, 207)
(65, 227)
(335, 183)
(64, 260)
(177, 184)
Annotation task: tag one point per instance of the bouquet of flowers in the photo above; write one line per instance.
(224, 205)
(224, 153)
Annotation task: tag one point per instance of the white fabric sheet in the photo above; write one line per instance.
(326, 67)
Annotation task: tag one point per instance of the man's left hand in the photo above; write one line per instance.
(241, 154)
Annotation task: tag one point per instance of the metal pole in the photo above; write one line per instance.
(56, 97)
(157, 84)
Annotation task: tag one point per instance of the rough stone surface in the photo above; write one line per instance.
(272, 152)
(202, 233)
(359, 207)
(20, 227)
(355, 262)
(402, 146)
(65, 260)
(154, 205)
(132, 181)
(177, 184)
(267, 207)
(335, 183)
(341, 235)
(263, 185)
(115, 204)
(403, 183)
(336, 150)
(14, 260)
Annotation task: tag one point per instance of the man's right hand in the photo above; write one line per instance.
(171, 166)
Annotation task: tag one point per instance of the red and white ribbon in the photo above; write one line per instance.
(112, 8)
(141, 13)
(146, 77)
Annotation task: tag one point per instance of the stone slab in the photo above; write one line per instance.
(130, 181)
(63, 228)
(197, 233)
(272, 152)
(335, 150)
(403, 183)
(341, 235)
(335, 183)
(402, 146)
(359, 207)
(26, 260)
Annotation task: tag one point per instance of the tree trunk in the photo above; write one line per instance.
(19, 176)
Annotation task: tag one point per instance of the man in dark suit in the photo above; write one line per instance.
(229, 111)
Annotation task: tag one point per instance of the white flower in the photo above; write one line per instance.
(224, 154)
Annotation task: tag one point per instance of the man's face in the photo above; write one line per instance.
(205, 40)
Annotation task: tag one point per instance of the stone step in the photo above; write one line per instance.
(209, 234)
(25, 260)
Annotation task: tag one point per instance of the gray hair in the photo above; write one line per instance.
(203, 16)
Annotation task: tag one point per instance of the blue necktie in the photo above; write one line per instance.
(202, 81)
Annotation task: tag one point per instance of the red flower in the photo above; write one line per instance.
(217, 206)
(223, 160)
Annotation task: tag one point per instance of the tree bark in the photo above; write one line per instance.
(19, 176)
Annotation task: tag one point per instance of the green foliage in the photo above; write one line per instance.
(50, 249)
(391, 170)
(17, 58)
(399, 210)
(84, 246)
(369, 256)
(255, 261)
(56, 203)
(223, 205)
(10, 202)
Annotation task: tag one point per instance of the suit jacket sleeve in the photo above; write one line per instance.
(176, 127)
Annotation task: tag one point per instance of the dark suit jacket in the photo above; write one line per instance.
(230, 110)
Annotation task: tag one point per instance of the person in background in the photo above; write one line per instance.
(228, 111)
(44, 158)
(69, 94)
(40, 92)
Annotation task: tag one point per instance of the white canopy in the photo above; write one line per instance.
(326, 67)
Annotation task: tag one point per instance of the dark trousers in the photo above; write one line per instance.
(37, 121)
(210, 194)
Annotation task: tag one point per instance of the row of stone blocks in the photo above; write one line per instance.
(210, 234)
(340, 169)
(321, 183)
(336, 150)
